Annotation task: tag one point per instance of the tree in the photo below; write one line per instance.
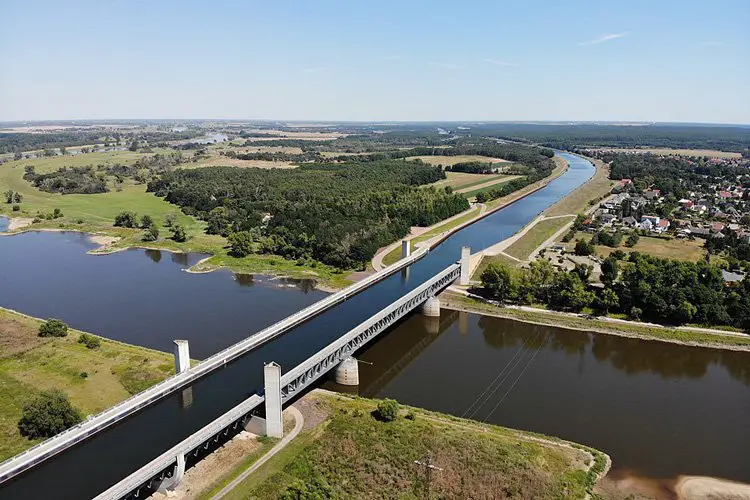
(632, 239)
(17, 197)
(387, 410)
(170, 219)
(610, 270)
(607, 300)
(48, 414)
(242, 243)
(151, 233)
(178, 233)
(568, 292)
(53, 328)
(126, 219)
(583, 271)
(685, 312)
(583, 248)
(499, 281)
(8, 196)
(636, 313)
(481, 197)
(146, 221)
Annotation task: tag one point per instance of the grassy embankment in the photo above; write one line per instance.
(487, 187)
(574, 322)
(95, 213)
(538, 234)
(93, 379)
(358, 456)
(452, 160)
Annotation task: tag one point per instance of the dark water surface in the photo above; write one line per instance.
(142, 297)
(658, 408)
(113, 454)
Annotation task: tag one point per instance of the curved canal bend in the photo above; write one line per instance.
(87, 469)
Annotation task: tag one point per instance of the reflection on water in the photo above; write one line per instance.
(657, 408)
(4, 222)
(154, 255)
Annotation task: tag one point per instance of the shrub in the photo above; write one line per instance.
(387, 410)
(57, 213)
(16, 208)
(242, 243)
(178, 233)
(90, 341)
(48, 414)
(147, 221)
(126, 219)
(151, 234)
(53, 328)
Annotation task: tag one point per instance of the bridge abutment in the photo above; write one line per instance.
(272, 382)
(347, 372)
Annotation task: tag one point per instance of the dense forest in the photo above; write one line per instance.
(643, 287)
(336, 213)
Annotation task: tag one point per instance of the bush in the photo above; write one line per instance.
(53, 328)
(126, 219)
(16, 208)
(178, 233)
(147, 221)
(90, 341)
(57, 213)
(48, 414)
(151, 234)
(583, 248)
(632, 240)
(242, 243)
(387, 410)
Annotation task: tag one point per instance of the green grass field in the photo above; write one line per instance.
(353, 455)
(538, 234)
(486, 189)
(30, 364)
(675, 248)
(578, 201)
(493, 259)
(452, 160)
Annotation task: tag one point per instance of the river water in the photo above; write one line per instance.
(147, 298)
(658, 409)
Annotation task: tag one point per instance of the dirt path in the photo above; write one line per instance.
(299, 421)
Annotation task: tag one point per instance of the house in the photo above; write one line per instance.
(652, 194)
(662, 226)
(607, 219)
(730, 278)
(637, 202)
(686, 204)
(702, 232)
(717, 227)
(624, 182)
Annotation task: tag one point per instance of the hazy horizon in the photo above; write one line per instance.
(481, 61)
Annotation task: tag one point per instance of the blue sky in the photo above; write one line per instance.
(632, 60)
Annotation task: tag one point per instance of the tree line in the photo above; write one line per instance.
(336, 213)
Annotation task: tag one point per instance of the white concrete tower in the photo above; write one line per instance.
(181, 356)
(465, 266)
(272, 382)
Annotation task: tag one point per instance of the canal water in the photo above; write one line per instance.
(659, 410)
(149, 299)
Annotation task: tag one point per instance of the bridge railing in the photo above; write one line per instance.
(42, 451)
(293, 381)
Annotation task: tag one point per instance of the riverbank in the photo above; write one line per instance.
(344, 450)
(689, 336)
(93, 379)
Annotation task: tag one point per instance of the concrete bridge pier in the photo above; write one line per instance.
(465, 266)
(405, 249)
(431, 307)
(181, 364)
(272, 382)
(347, 372)
(171, 483)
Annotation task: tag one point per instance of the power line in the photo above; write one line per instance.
(495, 380)
(515, 381)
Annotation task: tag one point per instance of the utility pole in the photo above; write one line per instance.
(426, 464)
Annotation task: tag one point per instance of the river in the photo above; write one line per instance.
(147, 298)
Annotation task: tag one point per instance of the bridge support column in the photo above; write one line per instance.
(431, 307)
(171, 483)
(465, 266)
(272, 379)
(347, 372)
(405, 249)
(181, 356)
